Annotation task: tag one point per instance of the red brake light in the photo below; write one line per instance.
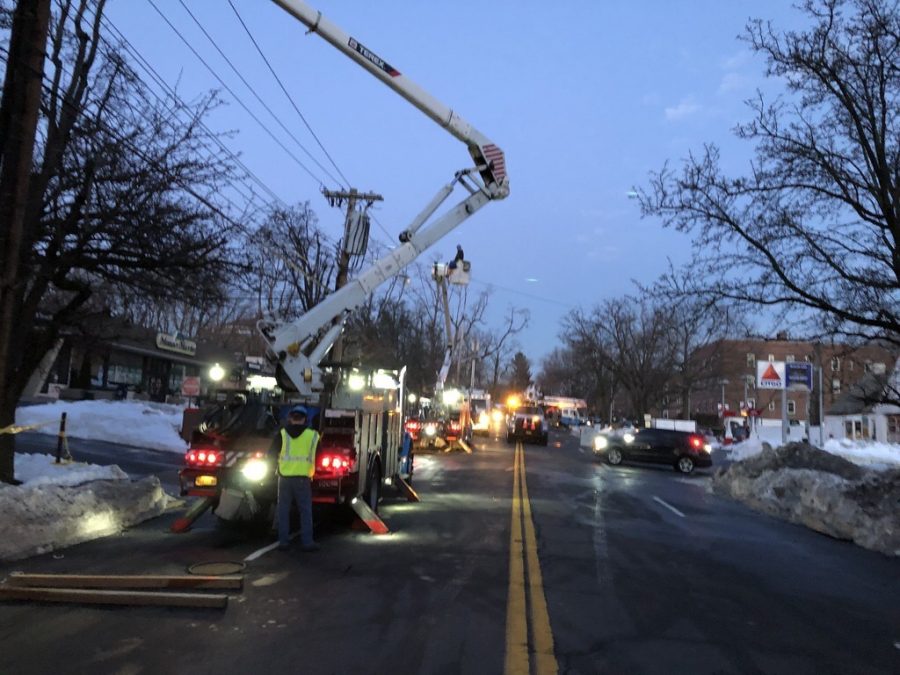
(334, 463)
(204, 458)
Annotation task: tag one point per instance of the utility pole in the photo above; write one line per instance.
(350, 246)
(19, 108)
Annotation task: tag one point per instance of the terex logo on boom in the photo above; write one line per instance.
(373, 58)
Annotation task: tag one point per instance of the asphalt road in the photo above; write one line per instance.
(625, 570)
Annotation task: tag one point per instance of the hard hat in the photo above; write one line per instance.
(298, 410)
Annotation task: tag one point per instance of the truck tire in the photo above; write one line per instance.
(373, 487)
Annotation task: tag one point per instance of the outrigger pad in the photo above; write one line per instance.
(407, 490)
(375, 524)
(184, 523)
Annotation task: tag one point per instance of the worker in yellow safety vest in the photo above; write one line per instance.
(296, 444)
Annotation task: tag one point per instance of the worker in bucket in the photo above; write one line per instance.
(296, 444)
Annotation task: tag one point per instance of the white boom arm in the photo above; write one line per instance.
(298, 346)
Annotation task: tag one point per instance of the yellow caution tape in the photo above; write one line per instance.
(18, 429)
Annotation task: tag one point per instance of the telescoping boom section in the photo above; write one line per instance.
(299, 346)
(488, 156)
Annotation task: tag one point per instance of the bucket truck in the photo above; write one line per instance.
(359, 414)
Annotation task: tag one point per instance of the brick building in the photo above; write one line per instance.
(733, 363)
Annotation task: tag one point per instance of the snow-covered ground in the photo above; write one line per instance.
(59, 505)
(138, 423)
(34, 470)
(866, 453)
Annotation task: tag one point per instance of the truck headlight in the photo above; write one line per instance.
(600, 443)
(255, 470)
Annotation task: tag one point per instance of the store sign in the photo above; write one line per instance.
(770, 374)
(799, 376)
(176, 343)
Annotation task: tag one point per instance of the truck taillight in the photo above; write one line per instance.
(202, 458)
(335, 463)
(413, 425)
(454, 425)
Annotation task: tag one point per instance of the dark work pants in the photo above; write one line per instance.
(295, 489)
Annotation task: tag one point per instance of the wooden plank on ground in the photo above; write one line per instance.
(114, 581)
(102, 597)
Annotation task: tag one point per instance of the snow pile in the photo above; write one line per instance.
(34, 470)
(823, 491)
(749, 448)
(138, 423)
(66, 504)
(866, 453)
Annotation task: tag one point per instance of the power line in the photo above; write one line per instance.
(180, 106)
(284, 89)
(253, 91)
(236, 97)
(531, 296)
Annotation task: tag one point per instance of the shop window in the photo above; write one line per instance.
(792, 407)
(893, 428)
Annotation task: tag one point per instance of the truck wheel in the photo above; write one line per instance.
(373, 489)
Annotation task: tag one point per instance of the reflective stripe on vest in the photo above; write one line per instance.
(298, 455)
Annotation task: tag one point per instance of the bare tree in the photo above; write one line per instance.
(813, 226)
(499, 344)
(632, 339)
(119, 197)
(699, 323)
(290, 264)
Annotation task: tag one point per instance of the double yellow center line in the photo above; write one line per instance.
(529, 640)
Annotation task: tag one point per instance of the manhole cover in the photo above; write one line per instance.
(216, 569)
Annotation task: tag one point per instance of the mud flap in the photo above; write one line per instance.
(236, 505)
(375, 524)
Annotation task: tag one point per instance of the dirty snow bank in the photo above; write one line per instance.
(62, 505)
(868, 454)
(138, 423)
(820, 490)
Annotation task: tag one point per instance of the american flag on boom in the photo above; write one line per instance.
(495, 158)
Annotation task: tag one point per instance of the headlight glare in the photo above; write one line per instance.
(255, 470)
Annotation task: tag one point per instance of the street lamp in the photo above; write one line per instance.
(216, 373)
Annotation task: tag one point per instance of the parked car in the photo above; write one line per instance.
(683, 450)
(528, 423)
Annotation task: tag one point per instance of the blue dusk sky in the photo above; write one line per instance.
(585, 97)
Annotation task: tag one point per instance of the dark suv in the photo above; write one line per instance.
(682, 450)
